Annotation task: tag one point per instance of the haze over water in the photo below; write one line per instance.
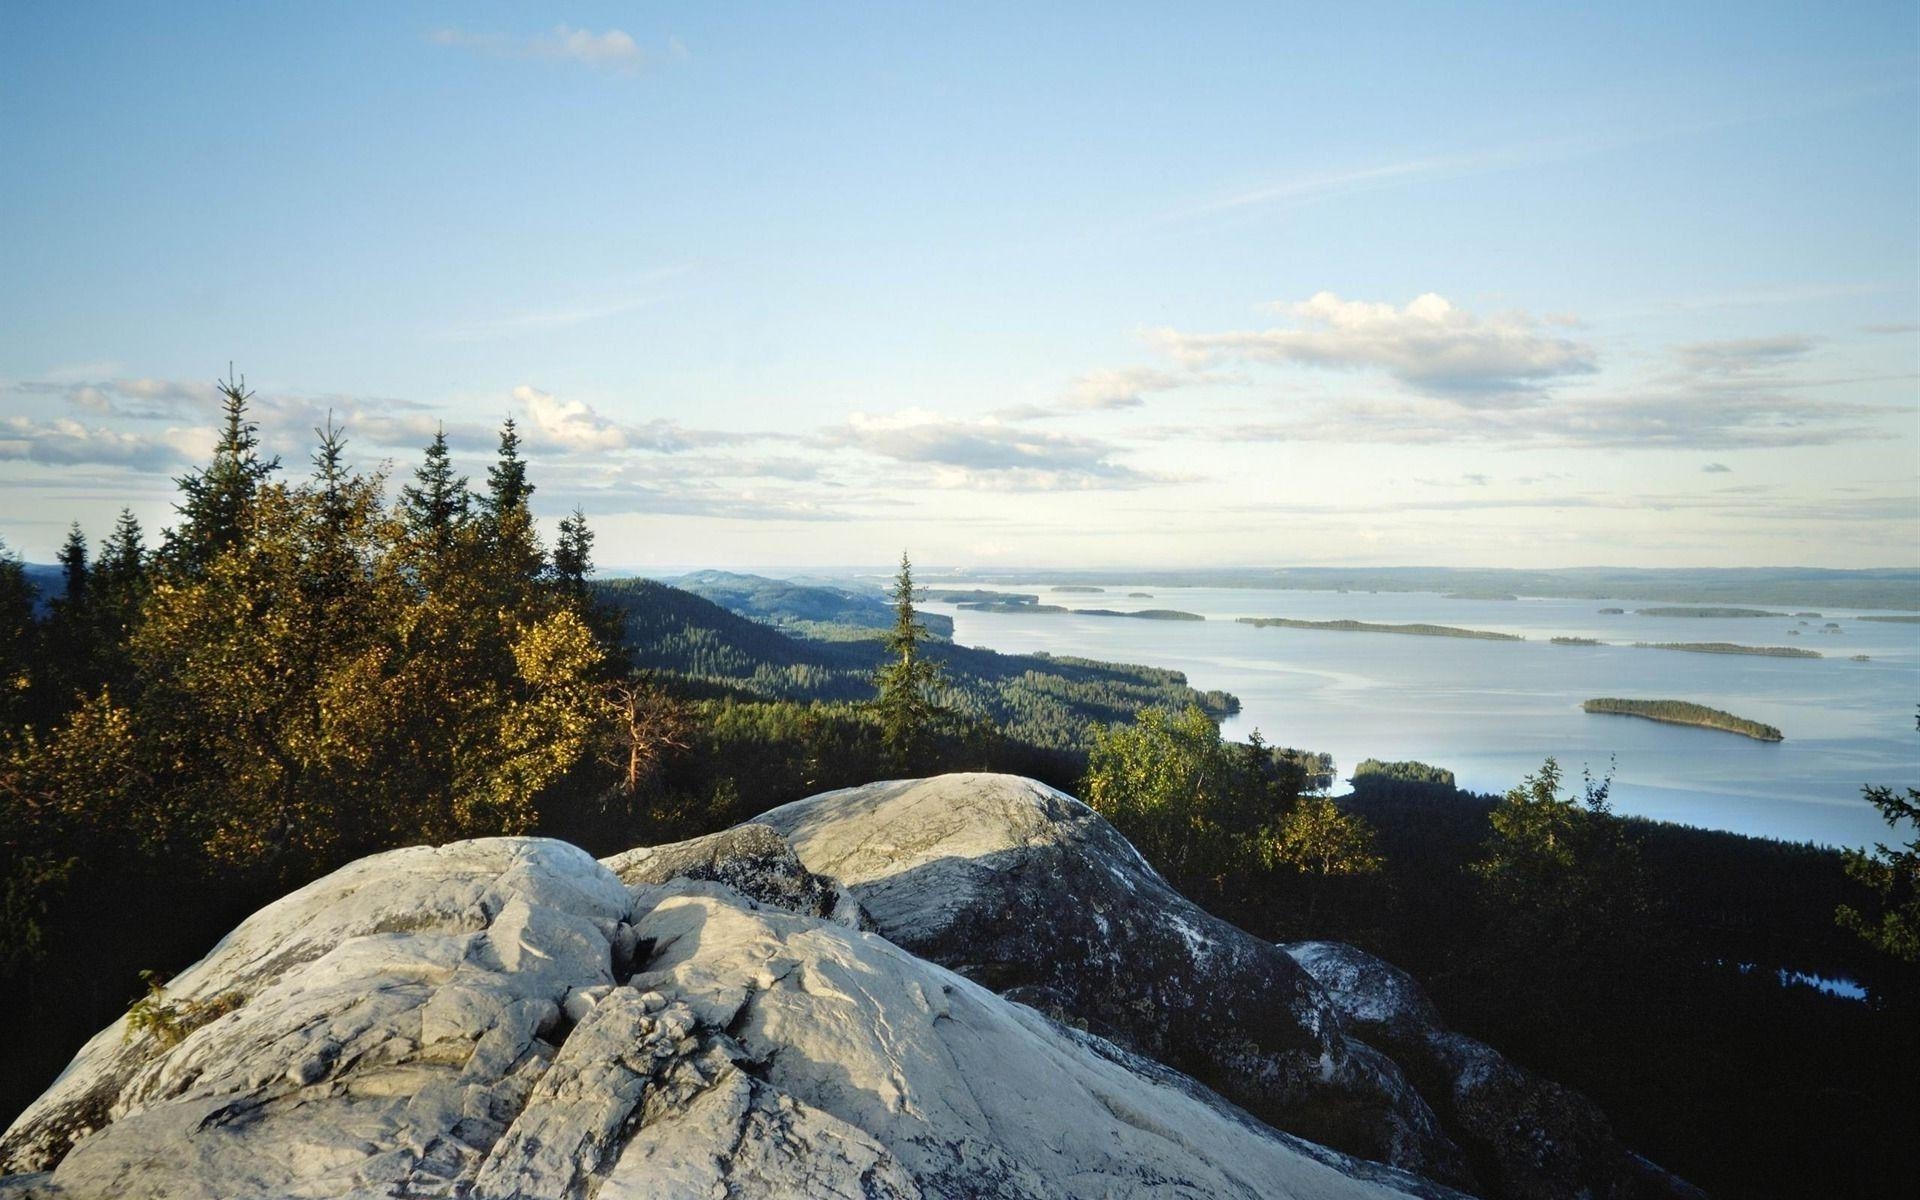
(1491, 711)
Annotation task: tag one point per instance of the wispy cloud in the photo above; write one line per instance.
(1743, 354)
(964, 454)
(1429, 345)
(1107, 390)
(614, 50)
(1717, 468)
(575, 427)
(66, 442)
(1673, 420)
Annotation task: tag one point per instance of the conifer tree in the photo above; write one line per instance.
(73, 569)
(513, 549)
(573, 553)
(906, 679)
(216, 500)
(437, 506)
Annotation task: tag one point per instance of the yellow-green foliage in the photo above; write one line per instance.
(170, 1021)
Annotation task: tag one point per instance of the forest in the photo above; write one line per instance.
(309, 665)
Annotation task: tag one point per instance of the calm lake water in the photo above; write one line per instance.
(1491, 711)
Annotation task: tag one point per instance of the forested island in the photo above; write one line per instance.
(1418, 629)
(1902, 619)
(1681, 712)
(1145, 614)
(1576, 641)
(1731, 648)
(1702, 610)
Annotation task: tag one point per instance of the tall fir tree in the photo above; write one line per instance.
(905, 680)
(573, 552)
(512, 546)
(217, 500)
(436, 507)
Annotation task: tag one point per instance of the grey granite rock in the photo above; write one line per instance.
(508, 1018)
(1029, 892)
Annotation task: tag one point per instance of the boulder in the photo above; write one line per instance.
(1528, 1137)
(509, 1018)
(1029, 892)
(754, 861)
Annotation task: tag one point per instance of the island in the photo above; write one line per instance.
(1576, 641)
(1145, 614)
(1011, 606)
(1612, 612)
(1681, 712)
(1139, 595)
(976, 596)
(1480, 596)
(1079, 589)
(1702, 610)
(1420, 630)
(1902, 619)
(1732, 648)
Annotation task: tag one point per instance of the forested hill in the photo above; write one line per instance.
(1046, 701)
(807, 608)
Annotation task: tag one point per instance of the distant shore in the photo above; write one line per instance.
(1418, 629)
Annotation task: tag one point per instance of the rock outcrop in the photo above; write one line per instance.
(1031, 893)
(1527, 1137)
(511, 1018)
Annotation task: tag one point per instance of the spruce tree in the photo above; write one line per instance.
(513, 549)
(217, 500)
(437, 506)
(905, 680)
(73, 569)
(573, 553)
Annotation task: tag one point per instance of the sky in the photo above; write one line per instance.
(772, 285)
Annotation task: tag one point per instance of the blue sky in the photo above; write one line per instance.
(1110, 284)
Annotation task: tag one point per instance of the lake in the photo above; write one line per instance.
(1490, 711)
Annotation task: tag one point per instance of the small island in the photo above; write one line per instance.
(1576, 641)
(1480, 596)
(1145, 614)
(965, 596)
(1612, 612)
(1011, 606)
(1700, 610)
(1901, 619)
(1139, 595)
(1732, 648)
(1681, 712)
(1419, 630)
(1079, 589)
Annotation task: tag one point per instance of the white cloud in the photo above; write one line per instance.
(964, 454)
(613, 50)
(1743, 354)
(66, 442)
(568, 424)
(1430, 345)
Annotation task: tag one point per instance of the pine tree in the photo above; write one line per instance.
(512, 547)
(73, 569)
(905, 680)
(573, 554)
(217, 500)
(122, 556)
(437, 507)
(507, 486)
